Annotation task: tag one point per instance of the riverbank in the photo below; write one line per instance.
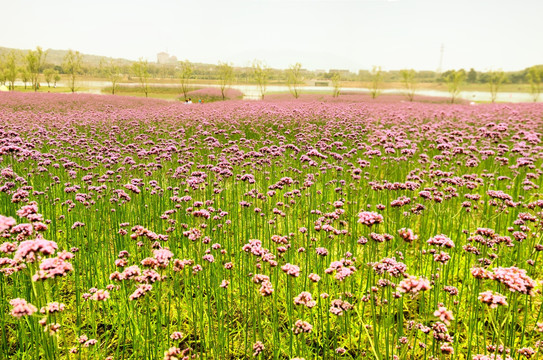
(169, 89)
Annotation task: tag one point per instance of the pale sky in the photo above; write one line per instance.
(320, 34)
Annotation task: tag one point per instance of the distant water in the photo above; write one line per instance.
(251, 92)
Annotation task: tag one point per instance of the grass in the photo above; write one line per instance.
(165, 93)
(52, 89)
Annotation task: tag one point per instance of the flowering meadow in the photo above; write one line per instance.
(210, 94)
(143, 229)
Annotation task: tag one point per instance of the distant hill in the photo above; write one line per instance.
(56, 57)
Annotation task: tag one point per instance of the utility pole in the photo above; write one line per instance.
(440, 68)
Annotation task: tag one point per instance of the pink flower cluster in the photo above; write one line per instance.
(6, 223)
(444, 315)
(441, 240)
(493, 299)
(407, 235)
(342, 268)
(304, 298)
(413, 284)
(370, 218)
(291, 270)
(22, 308)
(53, 267)
(514, 278)
(338, 306)
(390, 266)
(301, 327)
(491, 357)
(29, 249)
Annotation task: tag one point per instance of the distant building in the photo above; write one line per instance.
(320, 83)
(340, 72)
(164, 58)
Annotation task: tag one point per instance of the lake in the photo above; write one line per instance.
(251, 92)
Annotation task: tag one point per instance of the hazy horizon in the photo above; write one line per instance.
(320, 34)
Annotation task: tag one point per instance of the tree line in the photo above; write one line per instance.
(29, 67)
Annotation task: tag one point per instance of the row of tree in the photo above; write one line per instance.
(494, 81)
(454, 79)
(408, 80)
(185, 72)
(29, 66)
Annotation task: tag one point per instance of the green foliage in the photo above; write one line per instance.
(226, 77)
(294, 78)
(156, 90)
(34, 63)
(472, 76)
(25, 75)
(184, 76)
(336, 83)
(261, 74)
(72, 67)
(376, 81)
(56, 77)
(409, 83)
(496, 79)
(112, 71)
(141, 71)
(11, 69)
(2, 71)
(49, 75)
(454, 80)
(535, 76)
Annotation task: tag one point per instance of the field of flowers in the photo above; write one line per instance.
(142, 229)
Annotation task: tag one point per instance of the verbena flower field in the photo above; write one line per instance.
(142, 229)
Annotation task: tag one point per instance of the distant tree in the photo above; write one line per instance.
(376, 81)
(517, 77)
(472, 76)
(495, 81)
(141, 71)
(409, 83)
(294, 78)
(3, 72)
(34, 63)
(364, 75)
(112, 71)
(25, 76)
(184, 76)
(261, 74)
(336, 83)
(226, 77)
(72, 67)
(163, 71)
(49, 74)
(454, 80)
(534, 77)
(56, 77)
(11, 69)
